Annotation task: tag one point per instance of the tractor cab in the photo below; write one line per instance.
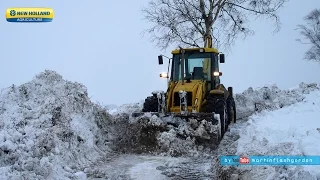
(195, 64)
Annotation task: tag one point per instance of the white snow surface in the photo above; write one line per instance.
(269, 98)
(49, 129)
(298, 124)
(293, 130)
(144, 170)
(125, 108)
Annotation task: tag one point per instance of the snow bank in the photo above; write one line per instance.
(294, 130)
(287, 130)
(49, 129)
(269, 98)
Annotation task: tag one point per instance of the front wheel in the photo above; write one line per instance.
(217, 104)
(150, 104)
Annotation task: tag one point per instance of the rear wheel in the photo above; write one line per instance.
(231, 109)
(150, 104)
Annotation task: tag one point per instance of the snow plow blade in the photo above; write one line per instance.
(200, 116)
(204, 127)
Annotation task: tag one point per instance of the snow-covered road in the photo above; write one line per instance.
(135, 167)
(145, 167)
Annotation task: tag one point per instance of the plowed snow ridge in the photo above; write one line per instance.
(294, 130)
(49, 129)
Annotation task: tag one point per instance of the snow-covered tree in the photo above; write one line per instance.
(187, 22)
(311, 32)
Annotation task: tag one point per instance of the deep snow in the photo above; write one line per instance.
(294, 130)
(290, 130)
(49, 129)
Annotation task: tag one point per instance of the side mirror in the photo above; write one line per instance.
(160, 59)
(188, 77)
(222, 60)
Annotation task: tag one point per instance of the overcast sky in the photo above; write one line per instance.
(99, 44)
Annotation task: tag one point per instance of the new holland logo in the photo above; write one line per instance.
(12, 13)
(29, 14)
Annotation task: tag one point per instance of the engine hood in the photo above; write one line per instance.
(188, 87)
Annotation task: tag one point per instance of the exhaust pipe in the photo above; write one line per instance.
(182, 65)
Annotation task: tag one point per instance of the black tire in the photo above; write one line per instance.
(150, 104)
(218, 105)
(231, 109)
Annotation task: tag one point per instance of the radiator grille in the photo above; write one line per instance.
(176, 99)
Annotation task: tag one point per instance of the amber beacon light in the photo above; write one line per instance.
(29, 14)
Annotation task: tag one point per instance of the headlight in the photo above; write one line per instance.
(217, 74)
(164, 75)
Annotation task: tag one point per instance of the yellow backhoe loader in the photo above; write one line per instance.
(194, 90)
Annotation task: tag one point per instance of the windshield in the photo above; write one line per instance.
(197, 66)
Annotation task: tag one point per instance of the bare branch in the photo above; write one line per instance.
(311, 32)
(187, 22)
(202, 9)
(219, 8)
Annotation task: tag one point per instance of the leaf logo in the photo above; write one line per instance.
(12, 13)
